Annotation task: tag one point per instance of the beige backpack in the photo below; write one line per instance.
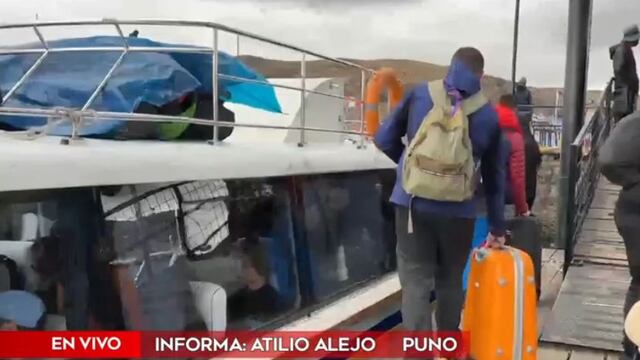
(439, 163)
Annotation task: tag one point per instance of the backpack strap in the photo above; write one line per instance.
(473, 103)
(438, 93)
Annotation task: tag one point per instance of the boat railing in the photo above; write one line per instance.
(76, 116)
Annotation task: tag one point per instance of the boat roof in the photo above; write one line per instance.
(262, 144)
(43, 163)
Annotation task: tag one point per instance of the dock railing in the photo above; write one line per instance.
(584, 173)
(76, 116)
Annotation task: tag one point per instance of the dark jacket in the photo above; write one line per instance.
(625, 78)
(524, 100)
(533, 158)
(619, 157)
(485, 138)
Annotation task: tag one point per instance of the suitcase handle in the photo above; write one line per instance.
(483, 251)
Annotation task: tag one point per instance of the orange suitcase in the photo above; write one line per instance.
(500, 311)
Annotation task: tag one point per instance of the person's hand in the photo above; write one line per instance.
(495, 242)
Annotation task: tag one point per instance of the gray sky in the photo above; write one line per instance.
(428, 30)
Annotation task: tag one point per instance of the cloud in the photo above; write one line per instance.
(426, 30)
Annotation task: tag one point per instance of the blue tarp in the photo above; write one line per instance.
(68, 79)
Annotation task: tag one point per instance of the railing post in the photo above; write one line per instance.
(566, 223)
(214, 86)
(303, 98)
(33, 67)
(112, 70)
(363, 86)
(238, 45)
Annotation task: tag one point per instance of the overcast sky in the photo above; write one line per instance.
(428, 30)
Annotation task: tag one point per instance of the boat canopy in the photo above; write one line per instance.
(68, 79)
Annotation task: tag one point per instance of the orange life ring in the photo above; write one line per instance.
(382, 79)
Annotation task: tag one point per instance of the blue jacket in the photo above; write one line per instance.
(485, 135)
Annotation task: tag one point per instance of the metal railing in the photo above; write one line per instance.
(547, 135)
(76, 116)
(584, 173)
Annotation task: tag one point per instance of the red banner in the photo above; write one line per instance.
(247, 344)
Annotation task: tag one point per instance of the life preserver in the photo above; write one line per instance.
(382, 79)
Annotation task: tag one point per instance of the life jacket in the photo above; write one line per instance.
(195, 106)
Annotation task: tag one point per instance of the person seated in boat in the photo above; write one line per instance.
(258, 298)
(21, 310)
(49, 256)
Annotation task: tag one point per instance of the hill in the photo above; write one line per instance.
(411, 72)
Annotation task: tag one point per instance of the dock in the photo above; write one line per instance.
(586, 320)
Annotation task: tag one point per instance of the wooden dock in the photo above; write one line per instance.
(586, 319)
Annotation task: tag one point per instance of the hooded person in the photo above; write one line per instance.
(625, 91)
(436, 254)
(523, 99)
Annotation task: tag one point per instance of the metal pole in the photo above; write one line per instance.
(303, 98)
(555, 111)
(514, 59)
(214, 86)
(237, 45)
(363, 89)
(573, 109)
(33, 67)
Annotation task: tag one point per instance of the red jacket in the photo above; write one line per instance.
(513, 132)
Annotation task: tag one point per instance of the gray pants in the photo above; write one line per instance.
(433, 257)
(627, 219)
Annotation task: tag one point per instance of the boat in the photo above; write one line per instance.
(282, 224)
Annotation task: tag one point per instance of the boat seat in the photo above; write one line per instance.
(18, 251)
(29, 227)
(211, 302)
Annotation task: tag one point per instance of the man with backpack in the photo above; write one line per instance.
(452, 135)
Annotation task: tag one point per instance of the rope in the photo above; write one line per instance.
(61, 115)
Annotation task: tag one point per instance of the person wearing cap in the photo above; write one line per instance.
(523, 98)
(625, 90)
(21, 310)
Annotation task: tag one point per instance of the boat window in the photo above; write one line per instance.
(50, 235)
(349, 230)
(220, 251)
(215, 254)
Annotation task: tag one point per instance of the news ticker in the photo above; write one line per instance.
(241, 344)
